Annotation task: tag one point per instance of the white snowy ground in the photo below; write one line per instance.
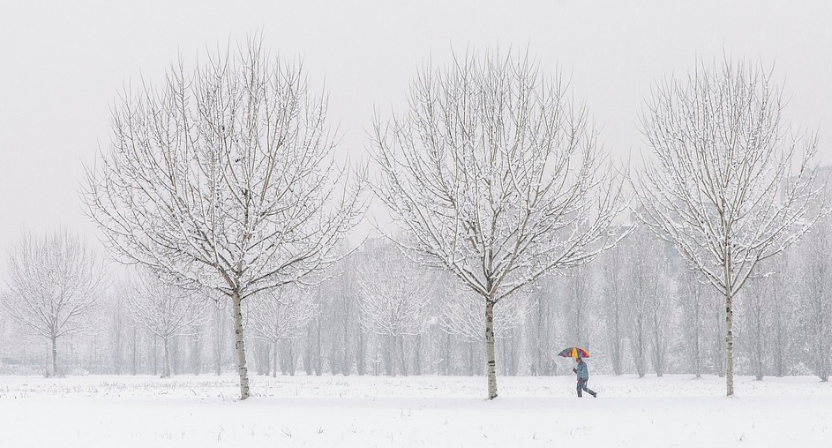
(337, 411)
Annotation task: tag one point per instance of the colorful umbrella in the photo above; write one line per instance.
(574, 352)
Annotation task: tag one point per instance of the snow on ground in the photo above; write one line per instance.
(363, 411)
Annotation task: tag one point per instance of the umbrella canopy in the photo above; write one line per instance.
(574, 352)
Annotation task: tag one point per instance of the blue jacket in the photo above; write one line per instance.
(582, 371)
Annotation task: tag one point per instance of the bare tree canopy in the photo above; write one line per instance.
(55, 281)
(395, 298)
(281, 313)
(395, 295)
(726, 185)
(167, 311)
(224, 177)
(496, 176)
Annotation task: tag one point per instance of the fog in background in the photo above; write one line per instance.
(64, 63)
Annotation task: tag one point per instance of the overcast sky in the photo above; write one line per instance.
(62, 64)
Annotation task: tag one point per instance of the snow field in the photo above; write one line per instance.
(365, 411)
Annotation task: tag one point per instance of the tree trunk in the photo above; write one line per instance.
(274, 359)
(758, 343)
(403, 356)
(291, 359)
(392, 352)
(196, 354)
(218, 341)
(54, 356)
(360, 355)
(616, 351)
(240, 345)
(491, 363)
(729, 343)
(639, 352)
(447, 354)
(777, 352)
(135, 350)
(719, 350)
(471, 358)
(697, 361)
(166, 344)
(821, 351)
(345, 368)
(697, 364)
(417, 368)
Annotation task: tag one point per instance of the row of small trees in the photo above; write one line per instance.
(223, 180)
(630, 322)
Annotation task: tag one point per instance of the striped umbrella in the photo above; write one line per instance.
(574, 352)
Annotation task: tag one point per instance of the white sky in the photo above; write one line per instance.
(63, 63)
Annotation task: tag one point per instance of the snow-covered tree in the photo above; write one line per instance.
(224, 177)
(280, 313)
(395, 298)
(220, 334)
(542, 325)
(785, 333)
(344, 311)
(165, 310)
(693, 306)
(661, 316)
(756, 304)
(725, 185)
(614, 304)
(577, 302)
(641, 284)
(495, 176)
(119, 328)
(55, 282)
(815, 291)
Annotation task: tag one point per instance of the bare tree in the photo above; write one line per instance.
(720, 186)
(220, 333)
(395, 298)
(118, 329)
(576, 307)
(660, 315)
(642, 281)
(693, 305)
(543, 324)
(279, 314)
(815, 289)
(224, 177)
(165, 310)
(614, 305)
(55, 282)
(785, 312)
(638, 312)
(495, 175)
(754, 327)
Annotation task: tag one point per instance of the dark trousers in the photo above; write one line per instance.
(582, 386)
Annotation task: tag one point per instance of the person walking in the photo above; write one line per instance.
(583, 377)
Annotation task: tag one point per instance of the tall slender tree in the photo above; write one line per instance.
(224, 177)
(496, 176)
(164, 309)
(815, 289)
(395, 299)
(279, 314)
(724, 184)
(55, 283)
